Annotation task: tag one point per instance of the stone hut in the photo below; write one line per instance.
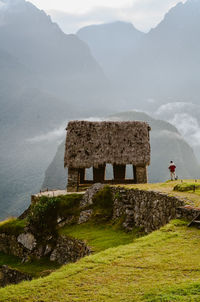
(95, 144)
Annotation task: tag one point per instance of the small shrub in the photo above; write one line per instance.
(42, 218)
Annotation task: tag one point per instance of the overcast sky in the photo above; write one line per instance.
(73, 14)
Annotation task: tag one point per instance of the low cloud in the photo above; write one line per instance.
(185, 117)
(57, 134)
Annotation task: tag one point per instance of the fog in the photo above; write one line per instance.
(48, 78)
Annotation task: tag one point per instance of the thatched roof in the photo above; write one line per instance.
(90, 144)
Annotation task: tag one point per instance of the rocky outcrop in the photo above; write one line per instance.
(25, 246)
(11, 276)
(69, 250)
(89, 195)
(85, 216)
(27, 240)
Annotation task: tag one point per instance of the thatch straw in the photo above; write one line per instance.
(91, 144)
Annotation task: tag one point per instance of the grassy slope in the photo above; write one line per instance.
(100, 236)
(149, 269)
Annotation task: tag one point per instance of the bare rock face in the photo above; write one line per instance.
(85, 216)
(89, 194)
(11, 276)
(27, 240)
(69, 250)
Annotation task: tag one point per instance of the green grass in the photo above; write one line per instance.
(12, 226)
(35, 268)
(163, 266)
(100, 236)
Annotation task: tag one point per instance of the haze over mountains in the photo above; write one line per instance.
(111, 43)
(48, 77)
(162, 64)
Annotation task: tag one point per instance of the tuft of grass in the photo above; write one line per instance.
(12, 226)
(100, 236)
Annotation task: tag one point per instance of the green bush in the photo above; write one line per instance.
(43, 216)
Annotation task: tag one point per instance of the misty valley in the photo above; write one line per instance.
(103, 72)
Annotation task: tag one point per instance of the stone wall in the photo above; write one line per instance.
(11, 276)
(187, 212)
(24, 246)
(146, 209)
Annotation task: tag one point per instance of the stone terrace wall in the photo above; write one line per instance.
(11, 276)
(146, 209)
(66, 249)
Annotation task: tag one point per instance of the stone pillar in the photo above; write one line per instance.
(82, 175)
(134, 173)
(119, 172)
(141, 175)
(99, 174)
(73, 180)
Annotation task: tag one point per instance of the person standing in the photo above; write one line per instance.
(172, 169)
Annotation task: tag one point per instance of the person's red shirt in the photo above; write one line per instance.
(172, 168)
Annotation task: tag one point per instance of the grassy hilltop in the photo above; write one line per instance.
(162, 266)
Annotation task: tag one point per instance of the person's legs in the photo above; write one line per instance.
(173, 175)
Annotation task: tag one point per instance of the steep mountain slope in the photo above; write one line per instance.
(111, 43)
(167, 63)
(62, 62)
(46, 77)
(166, 144)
